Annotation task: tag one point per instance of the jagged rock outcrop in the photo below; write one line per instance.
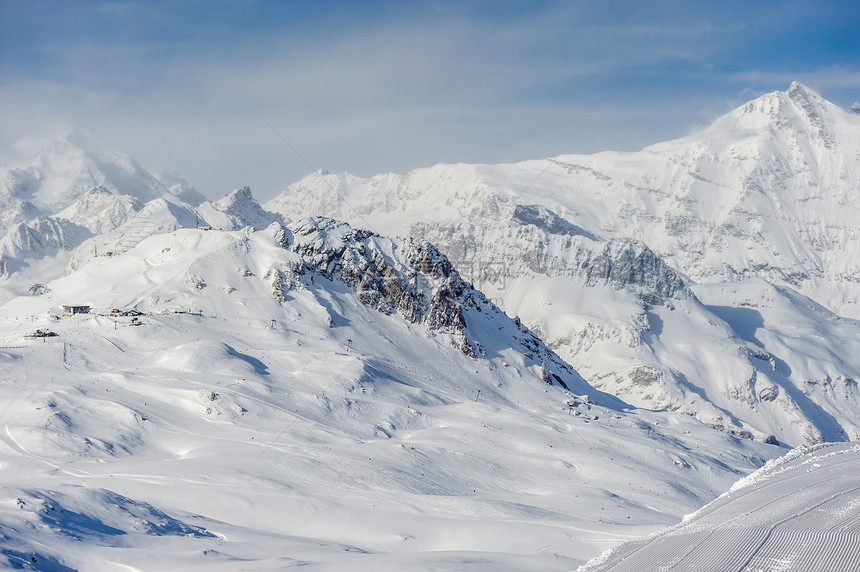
(338, 252)
(631, 265)
(412, 279)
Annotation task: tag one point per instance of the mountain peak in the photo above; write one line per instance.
(237, 196)
(797, 110)
(63, 168)
(802, 95)
(237, 210)
(798, 88)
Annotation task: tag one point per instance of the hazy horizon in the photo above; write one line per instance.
(261, 93)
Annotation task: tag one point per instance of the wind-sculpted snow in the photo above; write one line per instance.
(796, 513)
(290, 396)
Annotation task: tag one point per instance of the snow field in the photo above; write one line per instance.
(221, 439)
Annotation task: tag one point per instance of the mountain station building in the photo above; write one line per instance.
(72, 310)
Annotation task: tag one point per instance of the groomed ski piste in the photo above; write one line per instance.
(264, 415)
(799, 512)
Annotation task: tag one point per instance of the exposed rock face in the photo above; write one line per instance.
(632, 265)
(338, 252)
(547, 220)
(411, 278)
(535, 240)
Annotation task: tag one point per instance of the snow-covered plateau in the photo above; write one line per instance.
(467, 367)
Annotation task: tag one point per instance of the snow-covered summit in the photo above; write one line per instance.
(63, 169)
(236, 210)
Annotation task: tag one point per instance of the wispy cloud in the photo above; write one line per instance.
(820, 78)
(385, 86)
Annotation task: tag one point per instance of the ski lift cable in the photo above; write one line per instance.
(563, 151)
(302, 410)
(316, 171)
(543, 397)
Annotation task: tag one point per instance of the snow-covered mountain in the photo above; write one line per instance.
(623, 262)
(236, 210)
(77, 177)
(71, 188)
(769, 190)
(76, 199)
(312, 394)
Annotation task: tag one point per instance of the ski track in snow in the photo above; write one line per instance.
(799, 515)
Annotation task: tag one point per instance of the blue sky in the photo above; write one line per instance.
(369, 87)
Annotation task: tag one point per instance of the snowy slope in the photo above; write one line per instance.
(798, 512)
(156, 217)
(326, 397)
(591, 252)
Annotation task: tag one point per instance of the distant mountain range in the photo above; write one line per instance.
(511, 366)
(715, 275)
